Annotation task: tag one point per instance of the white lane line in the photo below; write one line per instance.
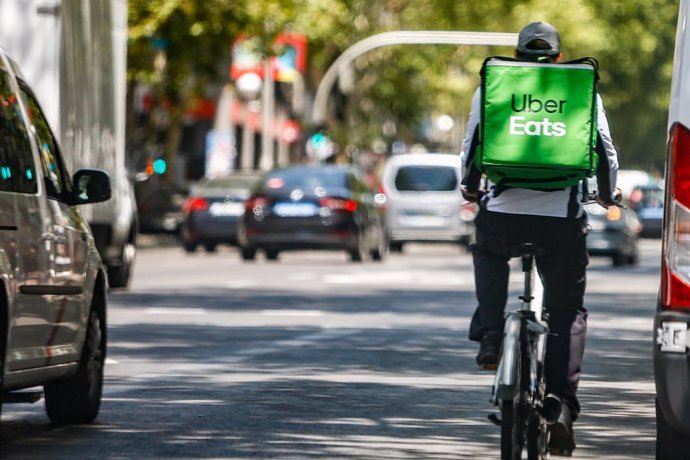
(239, 284)
(292, 312)
(401, 278)
(175, 311)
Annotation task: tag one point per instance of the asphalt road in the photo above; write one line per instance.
(316, 357)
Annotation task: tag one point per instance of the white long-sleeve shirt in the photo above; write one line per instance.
(557, 203)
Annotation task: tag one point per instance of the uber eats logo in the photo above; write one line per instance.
(528, 103)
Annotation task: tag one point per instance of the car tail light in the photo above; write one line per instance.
(194, 204)
(468, 211)
(614, 213)
(338, 204)
(675, 269)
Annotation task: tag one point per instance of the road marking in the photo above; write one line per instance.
(402, 277)
(239, 284)
(175, 311)
(292, 312)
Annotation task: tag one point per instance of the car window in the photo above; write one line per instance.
(240, 182)
(652, 198)
(306, 177)
(17, 173)
(418, 178)
(53, 170)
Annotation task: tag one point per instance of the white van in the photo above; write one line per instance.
(423, 200)
(671, 337)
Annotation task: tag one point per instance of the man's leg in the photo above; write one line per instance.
(564, 277)
(491, 273)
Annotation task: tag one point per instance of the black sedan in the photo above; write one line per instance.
(213, 209)
(313, 207)
(614, 233)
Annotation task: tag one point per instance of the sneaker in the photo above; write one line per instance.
(562, 439)
(489, 346)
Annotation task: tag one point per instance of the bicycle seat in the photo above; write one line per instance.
(525, 249)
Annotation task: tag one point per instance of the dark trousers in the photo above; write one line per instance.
(562, 268)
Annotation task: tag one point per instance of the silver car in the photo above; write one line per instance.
(53, 283)
(423, 200)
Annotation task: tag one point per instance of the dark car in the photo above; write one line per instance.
(213, 209)
(160, 209)
(614, 233)
(313, 207)
(648, 202)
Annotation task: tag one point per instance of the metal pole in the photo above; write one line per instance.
(267, 119)
(402, 37)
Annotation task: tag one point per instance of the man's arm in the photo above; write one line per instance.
(607, 170)
(471, 176)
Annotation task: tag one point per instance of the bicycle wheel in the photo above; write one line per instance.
(537, 437)
(537, 431)
(513, 411)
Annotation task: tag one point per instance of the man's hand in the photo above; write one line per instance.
(616, 198)
(471, 197)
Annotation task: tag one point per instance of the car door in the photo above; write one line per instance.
(29, 254)
(66, 239)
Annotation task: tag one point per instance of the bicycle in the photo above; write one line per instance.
(519, 386)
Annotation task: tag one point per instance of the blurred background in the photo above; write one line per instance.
(240, 77)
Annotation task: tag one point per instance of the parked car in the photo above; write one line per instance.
(212, 211)
(313, 207)
(53, 282)
(614, 233)
(671, 356)
(628, 179)
(648, 201)
(160, 208)
(423, 200)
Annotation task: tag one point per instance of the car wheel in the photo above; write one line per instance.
(119, 275)
(381, 250)
(396, 246)
(619, 259)
(272, 254)
(210, 247)
(248, 253)
(358, 253)
(671, 444)
(77, 399)
(189, 246)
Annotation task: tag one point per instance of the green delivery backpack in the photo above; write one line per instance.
(538, 123)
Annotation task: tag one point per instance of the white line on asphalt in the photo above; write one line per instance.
(239, 284)
(175, 311)
(292, 312)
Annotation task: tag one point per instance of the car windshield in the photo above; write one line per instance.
(306, 177)
(648, 198)
(413, 178)
(230, 182)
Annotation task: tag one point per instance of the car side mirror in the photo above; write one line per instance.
(91, 186)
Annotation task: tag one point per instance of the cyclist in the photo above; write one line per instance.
(554, 221)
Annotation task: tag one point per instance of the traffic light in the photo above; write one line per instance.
(159, 166)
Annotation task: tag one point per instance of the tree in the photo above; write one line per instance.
(191, 41)
(632, 39)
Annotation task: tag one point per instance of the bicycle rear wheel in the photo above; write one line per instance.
(537, 437)
(514, 411)
(512, 431)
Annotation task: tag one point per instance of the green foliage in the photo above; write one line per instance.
(632, 39)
